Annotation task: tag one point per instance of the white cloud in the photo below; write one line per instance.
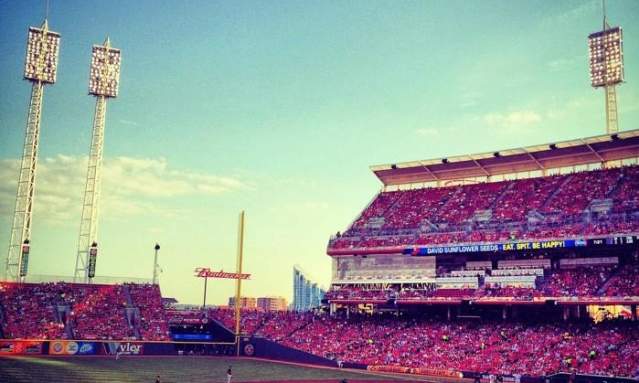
(130, 186)
(153, 178)
(564, 110)
(566, 63)
(56, 188)
(630, 102)
(427, 132)
(315, 205)
(581, 10)
(513, 120)
(469, 99)
(128, 123)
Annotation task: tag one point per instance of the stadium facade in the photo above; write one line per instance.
(507, 227)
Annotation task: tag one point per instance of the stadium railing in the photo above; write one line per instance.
(98, 280)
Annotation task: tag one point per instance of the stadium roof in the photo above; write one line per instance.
(619, 146)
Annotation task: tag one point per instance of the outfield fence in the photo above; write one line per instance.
(260, 348)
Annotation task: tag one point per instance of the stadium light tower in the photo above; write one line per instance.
(40, 69)
(104, 79)
(606, 67)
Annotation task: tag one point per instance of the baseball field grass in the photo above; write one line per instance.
(170, 369)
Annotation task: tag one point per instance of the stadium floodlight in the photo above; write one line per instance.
(105, 70)
(606, 57)
(40, 68)
(606, 67)
(43, 47)
(104, 80)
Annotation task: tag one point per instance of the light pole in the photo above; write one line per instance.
(606, 67)
(40, 69)
(155, 264)
(104, 80)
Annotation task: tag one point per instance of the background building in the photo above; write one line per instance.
(271, 303)
(306, 293)
(245, 302)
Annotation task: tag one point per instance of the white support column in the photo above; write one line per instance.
(612, 123)
(90, 206)
(21, 226)
(156, 268)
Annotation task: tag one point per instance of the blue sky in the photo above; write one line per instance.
(279, 108)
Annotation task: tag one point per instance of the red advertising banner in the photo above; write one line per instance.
(205, 272)
(20, 347)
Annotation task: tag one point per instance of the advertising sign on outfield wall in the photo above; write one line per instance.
(20, 347)
(66, 347)
(124, 348)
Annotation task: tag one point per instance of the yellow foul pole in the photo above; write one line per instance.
(238, 282)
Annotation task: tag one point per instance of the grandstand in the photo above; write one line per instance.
(544, 192)
(520, 263)
(496, 262)
(79, 311)
(529, 269)
(549, 223)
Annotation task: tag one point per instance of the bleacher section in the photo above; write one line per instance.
(391, 341)
(79, 311)
(489, 347)
(88, 314)
(582, 204)
(152, 321)
(503, 348)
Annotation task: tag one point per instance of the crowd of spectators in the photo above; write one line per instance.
(152, 321)
(435, 216)
(609, 348)
(278, 325)
(604, 225)
(487, 347)
(627, 192)
(624, 283)
(583, 282)
(29, 311)
(523, 196)
(100, 314)
(251, 320)
(274, 325)
(579, 189)
(81, 311)
(467, 200)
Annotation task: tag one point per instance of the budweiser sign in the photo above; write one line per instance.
(205, 272)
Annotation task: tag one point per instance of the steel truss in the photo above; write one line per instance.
(90, 206)
(21, 226)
